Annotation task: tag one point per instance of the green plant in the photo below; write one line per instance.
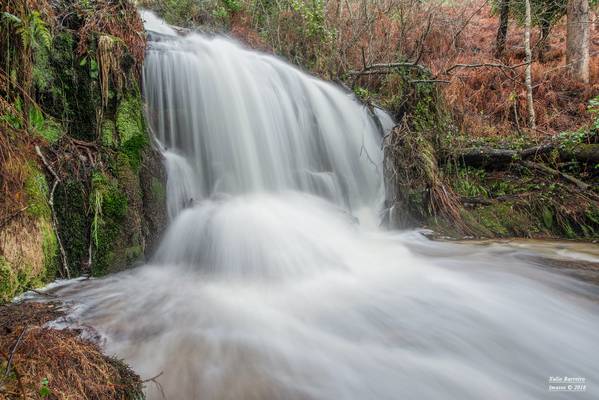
(313, 14)
(32, 29)
(44, 391)
(232, 6)
(593, 109)
(468, 182)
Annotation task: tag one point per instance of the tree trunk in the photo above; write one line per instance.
(577, 44)
(528, 78)
(544, 41)
(503, 24)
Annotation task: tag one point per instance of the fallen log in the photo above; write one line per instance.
(490, 157)
(583, 152)
(485, 156)
(553, 172)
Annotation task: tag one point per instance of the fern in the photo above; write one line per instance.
(32, 29)
(39, 30)
(11, 18)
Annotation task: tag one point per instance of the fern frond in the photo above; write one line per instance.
(11, 18)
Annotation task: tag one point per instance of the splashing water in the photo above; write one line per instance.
(267, 287)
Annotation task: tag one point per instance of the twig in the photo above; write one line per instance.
(18, 375)
(550, 171)
(154, 380)
(385, 68)
(455, 36)
(430, 81)
(423, 38)
(13, 351)
(479, 65)
(42, 293)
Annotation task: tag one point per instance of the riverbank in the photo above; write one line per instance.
(40, 362)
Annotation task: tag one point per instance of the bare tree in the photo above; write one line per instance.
(578, 41)
(504, 14)
(528, 76)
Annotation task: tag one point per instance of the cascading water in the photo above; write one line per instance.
(266, 286)
(248, 122)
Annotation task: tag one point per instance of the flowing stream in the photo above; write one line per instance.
(274, 281)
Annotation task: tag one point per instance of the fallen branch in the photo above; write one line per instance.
(13, 351)
(430, 81)
(154, 380)
(486, 156)
(386, 68)
(553, 172)
(18, 376)
(480, 65)
(485, 201)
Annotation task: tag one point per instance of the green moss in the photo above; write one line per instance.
(131, 128)
(9, 284)
(74, 94)
(71, 212)
(133, 253)
(50, 250)
(41, 72)
(492, 219)
(37, 191)
(158, 191)
(108, 133)
(51, 131)
(14, 281)
(507, 219)
(110, 210)
(547, 217)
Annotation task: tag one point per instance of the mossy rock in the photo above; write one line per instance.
(131, 128)
(36, 189)
(109, 207)
(152, 178)
(108, 133)
(71, 210)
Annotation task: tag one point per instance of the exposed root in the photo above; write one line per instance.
(415, 182)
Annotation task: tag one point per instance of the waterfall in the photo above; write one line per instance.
(274, 281)
(248, 122)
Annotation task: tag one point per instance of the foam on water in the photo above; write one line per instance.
(267, 286)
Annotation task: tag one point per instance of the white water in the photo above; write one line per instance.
(266, 286)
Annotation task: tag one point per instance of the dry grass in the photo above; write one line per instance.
(72, 367)
(491, 101)
(416, 184)
(484, 101)
(118, 19)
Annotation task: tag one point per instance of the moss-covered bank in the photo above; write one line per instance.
(462, 186)
(83, 189)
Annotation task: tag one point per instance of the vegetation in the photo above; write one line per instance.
(455, 77)
(70, 112)
(497, 136)
(32, 373)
